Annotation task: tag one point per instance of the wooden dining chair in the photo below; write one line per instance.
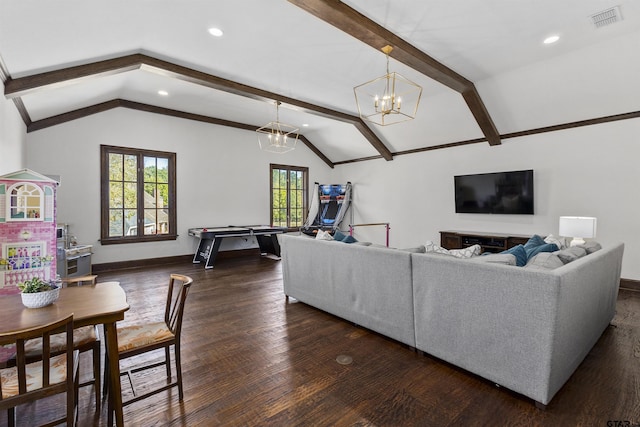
(85, 339)
(27, 382)
(141, 338)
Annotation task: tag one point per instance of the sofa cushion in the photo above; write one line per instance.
(349, 239)
(417, 250)
(571, 254)
(520, 253)
(591, 246)
(506, 259)
(544, 261)
(469, 252)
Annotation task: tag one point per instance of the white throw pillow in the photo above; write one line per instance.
(324, 235)
(561, 242)
(469, 252)
(431, 247)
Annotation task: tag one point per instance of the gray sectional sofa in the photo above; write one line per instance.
(526, 329)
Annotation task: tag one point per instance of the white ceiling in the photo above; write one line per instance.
(276, 46)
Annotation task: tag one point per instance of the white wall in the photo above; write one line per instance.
(222, 176)
(12, 137)
(223, 179)
(587, 171)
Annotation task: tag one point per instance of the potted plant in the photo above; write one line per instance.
(37, 293)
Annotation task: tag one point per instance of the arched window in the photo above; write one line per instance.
(26, 202)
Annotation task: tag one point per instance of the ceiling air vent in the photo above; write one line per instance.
(606, 17)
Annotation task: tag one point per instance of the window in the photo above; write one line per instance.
(138, 195)
(26, 202)
(289, 189)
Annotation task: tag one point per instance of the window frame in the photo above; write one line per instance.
(305, 193)
(105, 239)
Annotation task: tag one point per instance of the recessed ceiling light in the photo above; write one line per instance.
(163, 93)
(551, 39)
(305, 125)
(216, 32)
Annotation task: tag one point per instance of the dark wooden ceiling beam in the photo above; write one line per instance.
(71, 75)
(72, 115)
(58, 78)
(362, 28)
(115, 103)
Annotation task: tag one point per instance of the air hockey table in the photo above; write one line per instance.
(211, 238)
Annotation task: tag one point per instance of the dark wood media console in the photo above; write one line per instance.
(494, 242)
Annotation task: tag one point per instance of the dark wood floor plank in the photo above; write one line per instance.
(252, 359)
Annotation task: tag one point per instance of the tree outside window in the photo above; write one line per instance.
(289, 190)
(138, 195)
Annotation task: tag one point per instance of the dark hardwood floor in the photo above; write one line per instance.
(252, 359)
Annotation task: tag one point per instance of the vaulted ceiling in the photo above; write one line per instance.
(67, 59)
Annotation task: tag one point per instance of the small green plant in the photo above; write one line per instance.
(34, 285)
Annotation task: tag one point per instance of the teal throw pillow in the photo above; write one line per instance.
(520, 254)
(349, 239)
(339, 236)
(534, 242)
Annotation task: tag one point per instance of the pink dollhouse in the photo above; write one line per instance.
(27, 228)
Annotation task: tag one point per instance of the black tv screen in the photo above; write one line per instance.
(495, 193)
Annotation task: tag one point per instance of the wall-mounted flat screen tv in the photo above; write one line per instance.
(495, 193)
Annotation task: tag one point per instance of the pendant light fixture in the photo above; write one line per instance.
(389, 99)
(276, 137)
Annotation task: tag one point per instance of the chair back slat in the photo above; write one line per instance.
(178, 289)
(21, 363)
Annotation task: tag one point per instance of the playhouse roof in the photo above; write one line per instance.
(27, 175)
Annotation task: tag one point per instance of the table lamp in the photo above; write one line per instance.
(578, 227)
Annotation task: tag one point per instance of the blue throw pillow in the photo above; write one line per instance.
(533, 242)
(547, 247)
(338, 236)
(520, 254)
(349, 239)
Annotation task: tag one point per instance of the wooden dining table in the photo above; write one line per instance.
(103, 303)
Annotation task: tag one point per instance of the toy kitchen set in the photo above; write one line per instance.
(31, 245)
(71, 259)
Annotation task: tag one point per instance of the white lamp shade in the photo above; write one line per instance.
(579, 227)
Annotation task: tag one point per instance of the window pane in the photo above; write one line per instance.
(130, 222)
(149, 169)
(162, 196)
(115, 195)
(163, 221)
(130, 168)
(149, 221)
(163, 169)
(130, 195)
(149, 195)
(115, 166)
(292, 180)
(115, 223)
